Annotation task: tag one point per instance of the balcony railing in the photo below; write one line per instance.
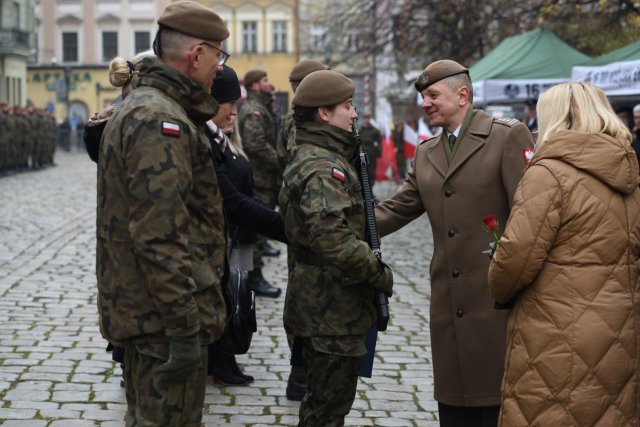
(14, 38)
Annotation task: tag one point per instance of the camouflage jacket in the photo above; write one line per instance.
(371, 141)
(161, 245)
(286, 138)
(328, 293)
(258, 132)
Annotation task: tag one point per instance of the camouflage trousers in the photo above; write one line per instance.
(331, 382)
(155, 403)
(268, 196)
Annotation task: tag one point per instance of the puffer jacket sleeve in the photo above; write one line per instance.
(529, 234)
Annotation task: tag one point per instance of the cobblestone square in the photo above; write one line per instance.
(55, 372)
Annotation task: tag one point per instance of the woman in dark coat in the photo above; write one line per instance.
(245, 214)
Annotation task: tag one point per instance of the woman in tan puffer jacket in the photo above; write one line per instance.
(568, 261)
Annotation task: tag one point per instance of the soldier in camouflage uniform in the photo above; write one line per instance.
(330, 295)
(10, 131)
(371, 140)
(258, 132)
(161, 245)
(297, 382)
(287, 134)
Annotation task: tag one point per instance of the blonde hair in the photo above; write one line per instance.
(122, 71)
(235, 142)
(119, 72)
(581, 107)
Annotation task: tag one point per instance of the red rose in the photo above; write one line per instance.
(490, 222)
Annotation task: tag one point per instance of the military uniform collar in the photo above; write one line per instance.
(261, 97)
(327, 136)
(481, 123)
(199, 105)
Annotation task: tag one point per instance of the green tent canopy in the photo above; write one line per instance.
(537, 54)
(630, 52)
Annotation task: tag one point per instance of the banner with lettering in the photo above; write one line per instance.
(495, 91)
(617, 78)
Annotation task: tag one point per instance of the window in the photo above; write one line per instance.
(142, 41)
(318, 34)
(69, 47)
(16, 15)
(280, 36)
(249, 37)
(109, 45)
(352, 41)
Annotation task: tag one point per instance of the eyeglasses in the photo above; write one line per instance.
(221, 54)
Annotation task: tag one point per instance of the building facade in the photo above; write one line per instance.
(74, 42)
(16, 43)
(76, 39)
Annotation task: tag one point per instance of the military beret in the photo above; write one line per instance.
(302, 68)
(322, 89)
(437, 71)
(253, 76)
(225, 87)
(195, 20)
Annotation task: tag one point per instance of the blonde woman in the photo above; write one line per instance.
(121, 74)
(569, 262)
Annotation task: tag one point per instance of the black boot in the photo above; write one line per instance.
(268, 250)
(260, 286)
(222, 371)
(297, 384)
(233, 363)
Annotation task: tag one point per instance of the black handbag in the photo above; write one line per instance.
(242, 317)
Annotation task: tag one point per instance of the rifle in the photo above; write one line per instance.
(381, 300)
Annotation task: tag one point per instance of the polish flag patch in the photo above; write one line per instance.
(337, 173)
(169, 128)
(528, 155)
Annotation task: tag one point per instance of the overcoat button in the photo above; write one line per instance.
(451, 233)
(455, 273)
(448, 193)
(459, 313)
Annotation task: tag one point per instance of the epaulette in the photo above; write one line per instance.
(507, 121)
(428, 139)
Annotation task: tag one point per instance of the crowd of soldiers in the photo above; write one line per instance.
(27, 138)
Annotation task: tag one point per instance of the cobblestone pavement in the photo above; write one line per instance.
(54, 370)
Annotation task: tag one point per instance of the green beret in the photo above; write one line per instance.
(253, 76)
(322, 89)
(302, 68)
(437, 71)
(195, 20)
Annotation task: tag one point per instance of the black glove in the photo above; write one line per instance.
(184, 358)
(383, 280)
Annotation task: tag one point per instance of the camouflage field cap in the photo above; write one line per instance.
(437, 71)
(322, 89)
(253, 76)
(303, 68)
(195, 20)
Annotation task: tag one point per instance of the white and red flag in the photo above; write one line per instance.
(411, 141)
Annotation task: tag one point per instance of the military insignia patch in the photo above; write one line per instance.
(337, 173)
(171, 129)
(528, 155)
